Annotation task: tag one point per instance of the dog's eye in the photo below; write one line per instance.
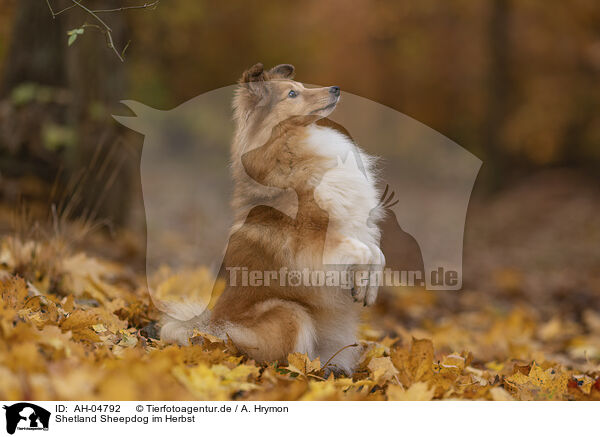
(292, 94)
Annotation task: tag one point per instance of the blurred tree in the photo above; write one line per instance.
(498, 92)
(513, 82)
(31, 54)
(93, 79)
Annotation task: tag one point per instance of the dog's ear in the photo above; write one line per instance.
(254, 79)
(283, 71)
(255, 73)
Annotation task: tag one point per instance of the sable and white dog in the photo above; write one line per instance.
(284, 142)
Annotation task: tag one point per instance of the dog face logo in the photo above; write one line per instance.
(26, 416)
(187, 166)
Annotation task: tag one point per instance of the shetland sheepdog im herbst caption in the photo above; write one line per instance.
(284, 144)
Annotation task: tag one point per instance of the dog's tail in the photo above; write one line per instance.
(181, 311)
(180, 318)
(176, 329)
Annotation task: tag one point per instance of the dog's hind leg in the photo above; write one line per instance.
(338, 345)
(272, 329)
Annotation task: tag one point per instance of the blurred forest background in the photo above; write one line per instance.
(514, 82)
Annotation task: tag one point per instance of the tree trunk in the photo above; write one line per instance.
(498, 87)
(36, 48)
(94, 80)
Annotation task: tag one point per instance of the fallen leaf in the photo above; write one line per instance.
(419, 391)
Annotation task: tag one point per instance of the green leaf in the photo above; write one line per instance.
(73, 33)
(24, 93)
(55, 136)
(78, 31)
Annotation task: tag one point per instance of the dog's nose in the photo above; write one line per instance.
(335, 90)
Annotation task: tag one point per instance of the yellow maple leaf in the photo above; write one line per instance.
(421, 359)
(215, 382)
(419, 391)
(13, 292)
(300, 363)
(382, 370)
(539, 384)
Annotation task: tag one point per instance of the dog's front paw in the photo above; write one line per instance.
(375, 273)
(348, 252)
(359, 260)
(367, 275)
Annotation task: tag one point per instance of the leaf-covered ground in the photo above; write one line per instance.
(85, 330)
(78, 326)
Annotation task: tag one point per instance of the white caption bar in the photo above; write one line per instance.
(297, 418)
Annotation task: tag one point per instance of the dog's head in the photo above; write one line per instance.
(269, 97)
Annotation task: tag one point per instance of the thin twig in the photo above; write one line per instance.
(93, 26)
(125, 48)
(104, 27)
(50, 7)
(334, 355)
(144, 6)
(89, 11)
(54, 15)
(108, 30)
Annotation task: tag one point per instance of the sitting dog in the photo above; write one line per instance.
(284, 144)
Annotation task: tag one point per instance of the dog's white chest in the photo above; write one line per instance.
(347, 191)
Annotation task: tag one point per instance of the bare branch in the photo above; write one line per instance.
(89, 11)
(125, 48)
(124, 8)
(50, 7)
(64, 10)
(107, 30)
(103, 26)
(56, 14)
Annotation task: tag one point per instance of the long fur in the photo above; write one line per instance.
(285, 153)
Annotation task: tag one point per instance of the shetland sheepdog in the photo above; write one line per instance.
(284, 144)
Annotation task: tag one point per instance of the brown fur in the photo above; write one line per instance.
(269, 240)
(268, 322)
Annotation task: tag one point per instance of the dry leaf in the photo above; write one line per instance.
(421, 360)
(539, 384)
(416, 392)
(382, 370)
(300, 363)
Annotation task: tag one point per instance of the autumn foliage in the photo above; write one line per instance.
(515, 83)
(83, 328)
